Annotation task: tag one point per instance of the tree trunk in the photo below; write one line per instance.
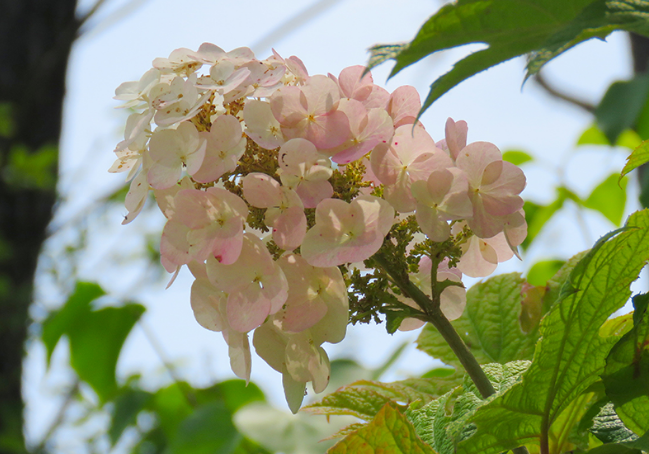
(36, 39)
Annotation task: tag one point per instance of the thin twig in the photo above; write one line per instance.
(60, 416)
(543, 83)
(191, 400)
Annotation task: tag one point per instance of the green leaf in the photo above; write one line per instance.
(629, 139)
(541, 272)
(609, 428)
(32, 169)
(442, 423)
(234, 393)
(571, 354)
(365, 398)
(593, 136)
(126, 407)
(638, 157)
(621, 105)
(388, 432)
(72, 312)
(517, 157)
(171, 406)
(511, 28)
(609, 198)
(95, 344)
(565, 434)
(626, 377)
(208, 430)
(617, 326)
(489, 325)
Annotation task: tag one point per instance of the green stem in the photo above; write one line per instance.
(441, 323)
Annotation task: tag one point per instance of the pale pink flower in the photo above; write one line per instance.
(347, 232)
(209, 307)
(166, 197)
(480, 256)
(212, 54)
(255, 284)
(225, 146)
(494, 187)
(302, 168)
(410, 156)
(314, 292)
(361, 89)
(261, 125)
(368, 128)
(129, 152)
(136, 93)
(310, 112)
(224, 78)
(138, 193)
(443, 197)
(170, 150)
(215, 221)
(180, 101)
(455, 141)
(136, 131)
(298, 357)
(296, 73)
(515, 230)
(403, 105)
(264, 78)
(181, 61)
(284, 209)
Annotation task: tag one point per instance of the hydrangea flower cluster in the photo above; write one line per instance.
(275, 183)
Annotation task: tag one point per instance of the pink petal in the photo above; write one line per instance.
(289, 228)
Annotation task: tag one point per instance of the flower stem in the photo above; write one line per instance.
(441, 323)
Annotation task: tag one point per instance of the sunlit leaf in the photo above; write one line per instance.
(389, 432)
(639, 156)
(542, 271)
(593, 136)
(365, 398)
(517, 157)
(609, 198)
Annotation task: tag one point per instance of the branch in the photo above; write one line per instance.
(585, 105)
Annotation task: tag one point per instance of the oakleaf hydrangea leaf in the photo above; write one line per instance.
(571, 354)
(639, 156)
(389, 431)
(627, 372)
(365, 398)
(443, 422)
